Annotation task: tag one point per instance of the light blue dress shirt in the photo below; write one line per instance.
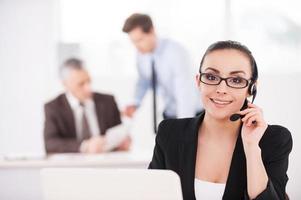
(175, 80)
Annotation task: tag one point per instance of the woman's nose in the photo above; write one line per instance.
(222, 87)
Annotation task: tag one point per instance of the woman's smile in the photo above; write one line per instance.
(220, 102)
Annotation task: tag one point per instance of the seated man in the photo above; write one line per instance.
(77, 120)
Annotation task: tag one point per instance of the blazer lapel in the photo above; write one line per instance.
(187, 152)
(68, 116)
(236, 182)
(99, 108)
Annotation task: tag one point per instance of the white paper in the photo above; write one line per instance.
(115, 135)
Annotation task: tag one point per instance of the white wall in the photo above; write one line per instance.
(27, 63)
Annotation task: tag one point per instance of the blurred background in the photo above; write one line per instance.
(36, 36)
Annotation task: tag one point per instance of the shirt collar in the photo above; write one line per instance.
(72, 100)
(159, 46)
(75, 103)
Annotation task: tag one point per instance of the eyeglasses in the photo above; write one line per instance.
(233, 82)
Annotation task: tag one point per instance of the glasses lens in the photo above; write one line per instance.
(210, 79)
(237, 82)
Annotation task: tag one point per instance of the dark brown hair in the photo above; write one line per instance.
(138, 20)
(229, 44)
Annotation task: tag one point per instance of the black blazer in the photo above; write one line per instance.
(59, 128)
(176, 147)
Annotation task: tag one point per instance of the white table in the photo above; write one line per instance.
(20, 179)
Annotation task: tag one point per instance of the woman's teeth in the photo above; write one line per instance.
(221, 102)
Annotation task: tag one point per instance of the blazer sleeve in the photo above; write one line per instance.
(158, 160)
(114, 114)
(54, 142)
(276, 163)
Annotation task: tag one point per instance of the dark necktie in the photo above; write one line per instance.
(86, 133)
(154, 86)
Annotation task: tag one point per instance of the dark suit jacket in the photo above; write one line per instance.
(59, 129)
(176, 147)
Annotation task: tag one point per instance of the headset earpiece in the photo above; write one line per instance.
(252, 91)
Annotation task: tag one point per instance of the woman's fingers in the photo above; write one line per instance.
(251, 115)
(255, 115)
(250, 121)
(251, 105)
(247, 116)
(247, 110)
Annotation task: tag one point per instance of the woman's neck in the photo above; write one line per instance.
(219, 128)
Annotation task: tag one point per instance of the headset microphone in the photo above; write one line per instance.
(236, 116)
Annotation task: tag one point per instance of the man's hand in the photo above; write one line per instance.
(125, 144)
(130, 110)
(93, 145)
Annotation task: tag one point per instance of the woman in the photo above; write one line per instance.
(217, 158)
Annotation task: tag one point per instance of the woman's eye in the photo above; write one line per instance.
(237, 80)
(211, 77)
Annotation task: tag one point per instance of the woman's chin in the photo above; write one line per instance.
(220, 113)
(221, 116)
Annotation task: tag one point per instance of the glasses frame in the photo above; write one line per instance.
(248, 81)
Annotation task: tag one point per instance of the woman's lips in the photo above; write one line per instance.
(220, 102)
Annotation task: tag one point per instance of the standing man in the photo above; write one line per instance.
(77, 120)
(164, 66)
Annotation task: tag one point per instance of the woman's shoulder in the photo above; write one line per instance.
(171, 123)
(276, 134)
(174, 128)
(276, 139)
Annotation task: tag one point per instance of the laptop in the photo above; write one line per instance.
(110, 184)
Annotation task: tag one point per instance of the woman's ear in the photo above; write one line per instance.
(197, 80)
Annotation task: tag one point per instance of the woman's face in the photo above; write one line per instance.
(221, 101)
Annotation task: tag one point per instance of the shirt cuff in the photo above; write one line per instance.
(83, 147)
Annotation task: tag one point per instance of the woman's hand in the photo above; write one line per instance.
(253, 127)
(252, 131)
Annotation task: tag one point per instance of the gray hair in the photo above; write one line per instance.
(69, 65)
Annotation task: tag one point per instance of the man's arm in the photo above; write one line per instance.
(115, 113)
(54, 143)
(114, 121)
(141, 87)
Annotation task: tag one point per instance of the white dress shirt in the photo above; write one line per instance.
(205, 190)
(176, 83)
(90, 112)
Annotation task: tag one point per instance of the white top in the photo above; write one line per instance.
(205, 190)
(90, 111)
